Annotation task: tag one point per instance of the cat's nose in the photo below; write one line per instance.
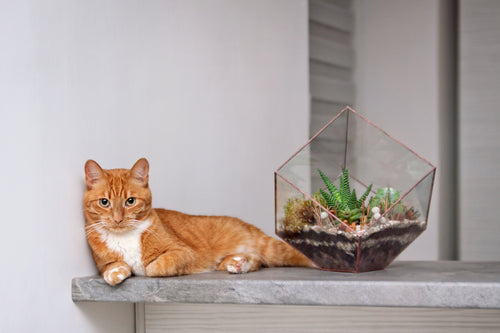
(118, 218)
(118, 213)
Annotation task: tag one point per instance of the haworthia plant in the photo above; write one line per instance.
(343, 202)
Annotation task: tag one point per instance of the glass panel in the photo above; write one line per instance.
(373, 157)
(326, 151)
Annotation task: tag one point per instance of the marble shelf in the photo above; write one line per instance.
(450, 284)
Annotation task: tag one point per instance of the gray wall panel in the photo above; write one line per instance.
(479, 120)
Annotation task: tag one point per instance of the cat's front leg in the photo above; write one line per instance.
(170, 263)
(116, 272)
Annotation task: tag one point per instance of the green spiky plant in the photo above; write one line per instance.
(344, 203)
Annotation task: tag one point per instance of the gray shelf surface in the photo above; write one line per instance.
(452, 284)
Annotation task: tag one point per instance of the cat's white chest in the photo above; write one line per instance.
(128, 245)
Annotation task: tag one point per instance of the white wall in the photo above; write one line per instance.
(397, 82)
(214, 93)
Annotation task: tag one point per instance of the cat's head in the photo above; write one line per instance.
(116, 200)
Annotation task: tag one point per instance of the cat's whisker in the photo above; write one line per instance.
(148, 230)
(94, 226)
(94, 223)
(154, 234)
(92, 231)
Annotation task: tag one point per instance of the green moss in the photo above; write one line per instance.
(298, 213)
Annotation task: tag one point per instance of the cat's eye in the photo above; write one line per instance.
(130, 201)
(104, 202)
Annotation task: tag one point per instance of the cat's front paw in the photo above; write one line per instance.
(161, 267)
(116, 274)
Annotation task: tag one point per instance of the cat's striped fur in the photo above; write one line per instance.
(127, 236)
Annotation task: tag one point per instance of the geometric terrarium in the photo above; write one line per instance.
(352, 198)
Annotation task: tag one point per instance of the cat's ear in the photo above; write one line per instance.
(93, 173)
(140, 171)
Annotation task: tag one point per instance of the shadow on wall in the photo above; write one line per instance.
(99, 314)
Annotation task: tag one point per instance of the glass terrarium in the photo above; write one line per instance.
(353, 198)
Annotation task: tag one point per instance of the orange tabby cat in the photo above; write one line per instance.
(127, 236)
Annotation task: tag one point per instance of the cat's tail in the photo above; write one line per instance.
(277, 253)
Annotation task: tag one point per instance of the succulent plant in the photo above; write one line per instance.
(385, 198)
(344, 203)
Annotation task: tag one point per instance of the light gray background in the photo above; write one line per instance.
(214, 93)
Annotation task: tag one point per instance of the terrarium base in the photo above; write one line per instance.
(348, 251)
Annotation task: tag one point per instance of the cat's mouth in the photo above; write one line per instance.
(119, 228)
